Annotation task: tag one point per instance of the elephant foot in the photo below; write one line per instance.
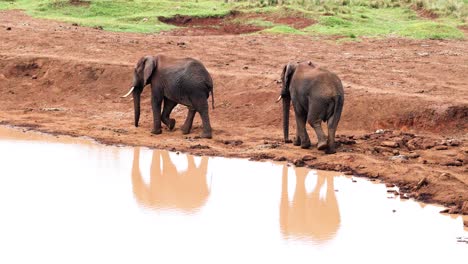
(185, 130)
(156, 131)
(171, 124)
(206, 135)
(330, 151)
(305, 145)
(288, 141)
(297, 141)
(322, 145)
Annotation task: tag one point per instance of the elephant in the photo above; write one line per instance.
(309, 215)
(175, 81)
(168, 188)
(317, 96)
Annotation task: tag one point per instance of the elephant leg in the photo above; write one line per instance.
(156, 105)
(187, 126)
(322, 140)
(168, 106)
(202, 108)
(301, 137)
(331, 141)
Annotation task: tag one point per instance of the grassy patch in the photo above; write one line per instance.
(363, 21)
(349, 18)
(282, 29)
(119, 15)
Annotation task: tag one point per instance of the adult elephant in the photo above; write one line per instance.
(175, 81)
(317, 95)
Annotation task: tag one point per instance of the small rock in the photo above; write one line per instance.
(421, 183)
(453, 142)
(308, 158)
(390, 144)
(8, 28)
(455, 163)
(245, 67)
(396, 152)
(393, 210)
(464, 209)
(282, 158)
(445, 211)
(348, 173)
(413, 155)
(454, 210)
(395, 192)
(75, 24)
(379, 131)
(423, 54)
(441, 147)
(299, 163)
(399, 158)
(389, 185)
(353, 180)
(445, 176)
(177, 153)
(34, 77)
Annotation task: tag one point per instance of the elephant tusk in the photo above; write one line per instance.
(129, 92)
(279, 98)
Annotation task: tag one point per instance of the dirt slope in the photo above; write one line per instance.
(65, 79)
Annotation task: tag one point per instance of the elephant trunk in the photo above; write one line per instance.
(136, 106)
(286, 106)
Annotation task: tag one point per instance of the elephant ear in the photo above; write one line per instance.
(286, 77)
(150, 65)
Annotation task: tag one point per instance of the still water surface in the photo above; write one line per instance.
(68, 200)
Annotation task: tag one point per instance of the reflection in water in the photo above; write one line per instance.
(168, 188)
(309, 215)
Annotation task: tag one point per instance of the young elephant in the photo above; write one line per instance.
(174, 81)
(317, 95)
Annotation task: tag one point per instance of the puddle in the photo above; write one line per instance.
(65, 200)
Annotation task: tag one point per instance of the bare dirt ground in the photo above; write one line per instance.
(65, 79)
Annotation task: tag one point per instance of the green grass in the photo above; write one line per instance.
(349, 18)
(384, 22)
(119, 15)
(283, 29)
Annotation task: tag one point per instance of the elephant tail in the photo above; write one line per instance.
(338, 101)
(212, 99)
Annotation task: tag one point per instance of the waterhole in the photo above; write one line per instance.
(69, 200)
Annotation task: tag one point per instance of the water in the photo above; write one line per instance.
(68, 200)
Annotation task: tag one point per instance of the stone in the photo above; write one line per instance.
(299, 163)
(413, 155)
(8, 28)
(445, 211)
(454, 163)
(421, 183)
(282, 158)
(464, 209)
(441, 147)
(390, 144)
(308, 158)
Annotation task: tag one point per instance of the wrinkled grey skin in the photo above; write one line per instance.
(175, 81)
(317, 96)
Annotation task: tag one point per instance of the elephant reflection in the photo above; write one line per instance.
(309, 215)
(168, 188)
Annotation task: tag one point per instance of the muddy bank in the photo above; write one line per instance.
(403, 122)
